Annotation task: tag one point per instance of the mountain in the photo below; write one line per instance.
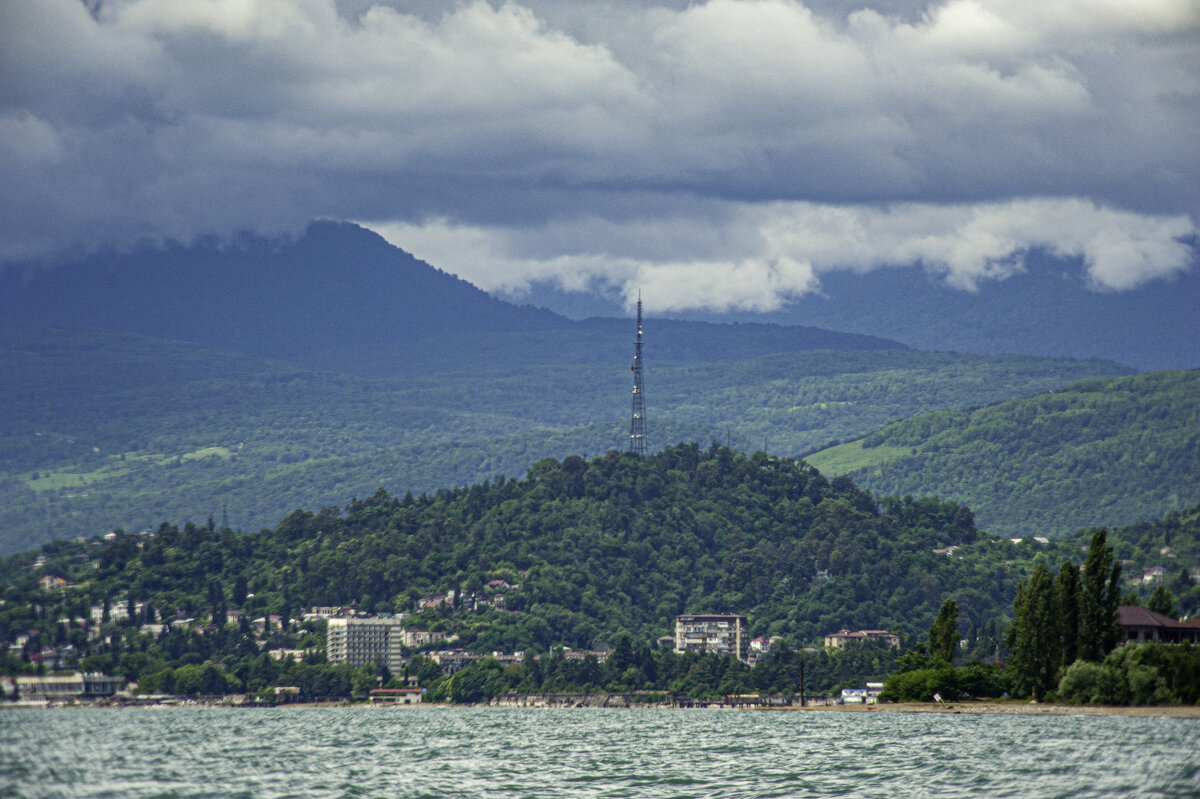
(341, 298)
(1104, 451)
(1047, 309)
(102, 430)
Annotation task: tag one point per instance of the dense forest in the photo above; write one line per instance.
(595, 552)
(106, 430)
(1102, 451)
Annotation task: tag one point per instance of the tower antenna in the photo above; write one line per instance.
(637, 423)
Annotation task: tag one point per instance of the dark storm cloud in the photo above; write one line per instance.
(746, 146)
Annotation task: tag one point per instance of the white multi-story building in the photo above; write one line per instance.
(357, 641)
(723, 634)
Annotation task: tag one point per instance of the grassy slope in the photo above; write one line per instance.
(1103, 451)
(103, 430)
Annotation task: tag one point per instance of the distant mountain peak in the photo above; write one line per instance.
(339, 296)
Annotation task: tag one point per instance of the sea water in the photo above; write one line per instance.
(509, 752)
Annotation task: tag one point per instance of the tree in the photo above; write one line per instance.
(1066, 599)
(1033, 636)
(1099, 595)
(1162, 601)
(943, 635)
(240, 590)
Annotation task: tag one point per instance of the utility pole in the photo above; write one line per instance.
(637, 423)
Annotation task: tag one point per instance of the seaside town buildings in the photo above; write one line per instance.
(723, 634)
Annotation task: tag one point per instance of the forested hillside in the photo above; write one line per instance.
(587, 554)
(1103, 451)
(598, 548)
(103, 430)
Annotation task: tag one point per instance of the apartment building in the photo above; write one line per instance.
(724, 634)
(373, 640)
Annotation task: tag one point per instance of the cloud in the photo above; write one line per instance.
(768, 254)
(736, 149)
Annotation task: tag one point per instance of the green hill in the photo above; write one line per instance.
(599, 547)
(1101, 452)
(586, 553)
(103, 430)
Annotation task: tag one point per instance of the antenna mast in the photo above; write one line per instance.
(637, 423)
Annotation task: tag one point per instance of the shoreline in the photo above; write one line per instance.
(1013, 708)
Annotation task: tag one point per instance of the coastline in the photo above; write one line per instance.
(1014, 709)
(602, 701)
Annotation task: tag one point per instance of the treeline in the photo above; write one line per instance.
(1105, 451)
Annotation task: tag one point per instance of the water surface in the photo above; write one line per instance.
(511, 752)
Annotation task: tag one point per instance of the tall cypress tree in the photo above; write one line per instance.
(1099, 595)
(1066, 599)
(1033, 637)
(943, 635)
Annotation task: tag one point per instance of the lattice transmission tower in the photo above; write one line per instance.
(637, 422)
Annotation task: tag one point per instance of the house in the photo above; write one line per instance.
(419, 638)
(435, 600)
(68, 686)
(259, 624)
(1142, 626)
(51, 583)
(453, 660)
(396, 696)
(329, 612)
(1154, 576)
(843, 638)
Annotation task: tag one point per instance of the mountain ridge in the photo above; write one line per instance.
(340, 297)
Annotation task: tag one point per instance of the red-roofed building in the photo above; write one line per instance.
(1142, 625)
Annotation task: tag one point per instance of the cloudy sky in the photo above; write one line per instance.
(719, 154)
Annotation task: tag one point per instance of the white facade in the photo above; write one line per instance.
(722, 634)
(357, 641)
